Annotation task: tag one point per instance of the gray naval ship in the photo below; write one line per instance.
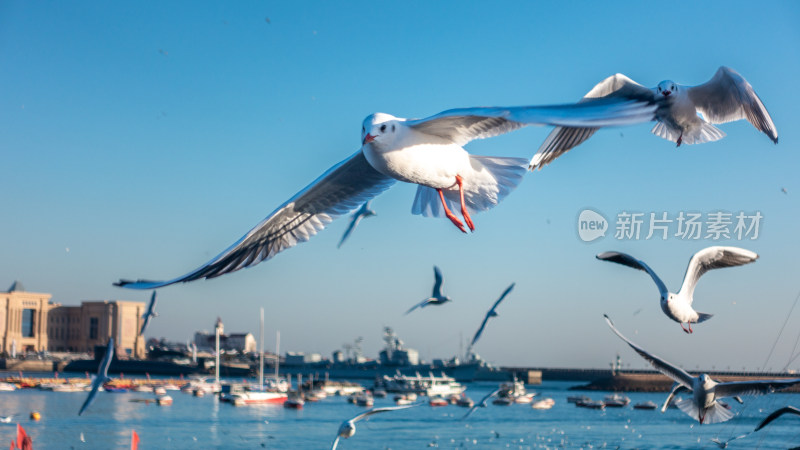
(394, 359)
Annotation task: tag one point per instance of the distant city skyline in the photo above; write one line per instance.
(140, 140)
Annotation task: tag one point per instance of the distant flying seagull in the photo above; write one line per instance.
(481, 404)
(783, 189)
(427, 152)
(705, 405)
(678, 307)
(724, 444)
(102, 375)
(6, 419)
(777, 413)
(150, 313)
(348, 427)
(362, 213)
(437, 298)
(724, 98)
(489, 315)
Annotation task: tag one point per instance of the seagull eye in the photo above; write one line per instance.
(383, 128)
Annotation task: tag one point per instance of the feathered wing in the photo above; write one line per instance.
(762, 387)
(713, 258)
(677, 388)
(102, 375)
(676, 373)
(563, 139)
(628, 260)
(335, 443)
(481, 403)
(338, 191)
(727, 96)
(149, 314)
(380, 410)
(466, 124)
(418, 305)
(438, 281)
(777, 413)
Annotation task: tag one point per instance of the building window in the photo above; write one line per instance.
(27, 322)
(93, 328)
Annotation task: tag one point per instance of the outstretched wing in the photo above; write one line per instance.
(418, 305)
(335, 443)
(727, 96)
(677, 388)
(481, 403)
(676, 373)
(777, 413)
(562, 139)
(466, 124)
(437, 282)
(628, 260)
(381, 410)
(760, 387)
(338, 191)
(713, 258)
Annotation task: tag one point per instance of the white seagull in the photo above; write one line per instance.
(102, 375)
(6, 419)
(437, 298)
(150, 313)
(481, 404)
(348, 427)
(428, 152)
(362, 213)
(678, 306)
(704, 406)
(724, 98)
(491, 313)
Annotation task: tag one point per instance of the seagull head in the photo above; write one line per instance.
(347, 429)
(667, 88)
(379, 128)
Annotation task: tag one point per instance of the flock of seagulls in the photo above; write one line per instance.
(453, 184)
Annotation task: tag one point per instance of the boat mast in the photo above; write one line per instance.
(261, 355)
(277, 354)
(216, 365)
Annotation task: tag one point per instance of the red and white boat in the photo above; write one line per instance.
(438, 401)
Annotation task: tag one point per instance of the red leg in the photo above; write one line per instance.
(464, 211)
(684, 329)
(689, 324)
(449, 214)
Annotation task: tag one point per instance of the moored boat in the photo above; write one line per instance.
(591, 404)
(438, 401)
(164, 400)
(645, 405)
(545, 403)
(616, 401)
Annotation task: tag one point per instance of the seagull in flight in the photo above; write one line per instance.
(489, 315)
(481, 404)
(437, 298)
(724, 444)
(361, 213)
(6, 419)
(705, 406)
(428, 152)
(678, 306)
(348, 427)
(102, 375)
(150, 313)
(726, 97)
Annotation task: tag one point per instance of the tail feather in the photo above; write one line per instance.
(702, 317)
(717, 413)
(688, 406)
(491, 180)
(704, 133)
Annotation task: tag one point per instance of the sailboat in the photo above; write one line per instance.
(245, 395)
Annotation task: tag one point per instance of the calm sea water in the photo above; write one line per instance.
(202, 423)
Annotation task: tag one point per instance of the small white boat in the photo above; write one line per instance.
(591, 404)
(7, 387)
(616, 401)
(164, 400)
(401, 400)
(545, 403)
(69, 387)
(645, 405)
(143, 388)
(171, 387)
(365, 399)
(525, 398)
(159, 390)
(438, 401)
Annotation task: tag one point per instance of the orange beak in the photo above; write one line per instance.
(367, 139)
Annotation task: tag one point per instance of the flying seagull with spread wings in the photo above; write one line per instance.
(348, 427)
(362, 213)
(678, 306)
(427, 152)
(705, 406)
(491, 313)
(150, 313)
(436, 298)
(726, 97)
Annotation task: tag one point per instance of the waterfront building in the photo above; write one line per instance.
(82, 328)
(239, 342)
(23, 320)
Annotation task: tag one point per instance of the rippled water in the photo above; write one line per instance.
(200, 423)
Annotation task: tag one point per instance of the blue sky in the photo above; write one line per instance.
(146, 137)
